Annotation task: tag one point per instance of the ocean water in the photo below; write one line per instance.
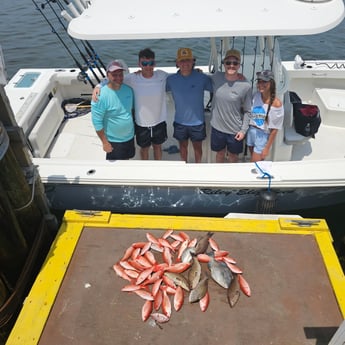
(27, 40)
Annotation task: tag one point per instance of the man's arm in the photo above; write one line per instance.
(105, 143)
(97, 89)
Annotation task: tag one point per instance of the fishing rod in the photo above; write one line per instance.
(84, 75)
(86, 60)
(89, 49)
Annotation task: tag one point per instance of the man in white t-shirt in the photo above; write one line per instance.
(150, 104)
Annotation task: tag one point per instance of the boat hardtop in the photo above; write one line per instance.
(107, 20)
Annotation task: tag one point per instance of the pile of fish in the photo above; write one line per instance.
(174, 265)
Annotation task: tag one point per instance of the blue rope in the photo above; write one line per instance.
(265, 174)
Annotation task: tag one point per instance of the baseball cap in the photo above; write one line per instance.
(115, 65)
(184, 54)
(233, 52)
(265, 75)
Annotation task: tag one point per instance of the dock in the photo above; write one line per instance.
(297, 284)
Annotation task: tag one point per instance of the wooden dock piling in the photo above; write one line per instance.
(27, 226)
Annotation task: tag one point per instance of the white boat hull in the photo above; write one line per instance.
(304, 172)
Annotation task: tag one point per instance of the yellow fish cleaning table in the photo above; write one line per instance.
(297, 285)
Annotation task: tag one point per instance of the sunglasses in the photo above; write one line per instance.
(147, 63)
(234, 63)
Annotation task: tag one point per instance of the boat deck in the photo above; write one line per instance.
(77, 139)
(296, 281)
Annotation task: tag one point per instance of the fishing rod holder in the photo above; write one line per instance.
(82, 77)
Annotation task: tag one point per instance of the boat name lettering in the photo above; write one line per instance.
(226, 192)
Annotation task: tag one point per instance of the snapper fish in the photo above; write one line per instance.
(220, 272)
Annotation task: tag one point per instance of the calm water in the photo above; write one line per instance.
(28, 41)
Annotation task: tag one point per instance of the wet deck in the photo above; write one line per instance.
(292, 300)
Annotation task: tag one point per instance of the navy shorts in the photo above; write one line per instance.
(220, 141)
(194, 133)
(124, 150)
(146, 136)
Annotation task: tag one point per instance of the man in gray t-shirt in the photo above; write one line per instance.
(231, 107)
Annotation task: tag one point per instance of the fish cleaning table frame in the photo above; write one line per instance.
(298, 286)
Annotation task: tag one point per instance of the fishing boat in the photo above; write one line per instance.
(302, 171)
(77, 297)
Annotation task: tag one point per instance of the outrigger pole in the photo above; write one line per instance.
(84, 75)
(94, 58)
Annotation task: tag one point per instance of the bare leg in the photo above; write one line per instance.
(197, 145)
(256, 157)
(144, 153)
(184, 150)
(251, 149)
(157, 152)
(232, 157)
(220, 156)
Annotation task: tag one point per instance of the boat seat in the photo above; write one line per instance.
(46, 127)
(291, 137)
(332, 106)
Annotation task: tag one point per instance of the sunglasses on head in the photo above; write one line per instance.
(231, 62)
(148, 63)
